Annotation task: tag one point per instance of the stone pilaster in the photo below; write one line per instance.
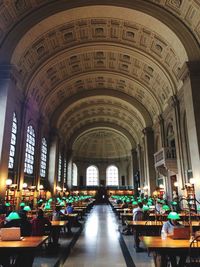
(149, 159)
(53, 160)
(190, 75)
(8, 84)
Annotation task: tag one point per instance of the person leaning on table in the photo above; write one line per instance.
(168, 228)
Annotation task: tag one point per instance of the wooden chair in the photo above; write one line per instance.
(194, 253)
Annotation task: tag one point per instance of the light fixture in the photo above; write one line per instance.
(176, 184)
(58, 188)
(41, 187)
(64, 189)
(24, 185)
(192, 180)
(145, 187)
(161, 186)
(8, 182)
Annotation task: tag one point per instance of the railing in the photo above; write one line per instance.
(164, 154)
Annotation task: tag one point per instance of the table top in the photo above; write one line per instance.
(144, 223)
(160, 223)
(30, 242)
(58, 223)
(155, 243)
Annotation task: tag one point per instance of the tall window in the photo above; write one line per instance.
(43, 158)
(13, 143)
(65, 171)
(112, 176)
(59, 168)
(30, 150)
(92, 176)
(75, 175)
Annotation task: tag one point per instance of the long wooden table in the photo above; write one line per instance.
(167, 248)
(25, 249)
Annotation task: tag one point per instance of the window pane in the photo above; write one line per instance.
(30, 150)
(92, 178)
(112, 176)
(43, 158)
(75, 175)
(13, 142)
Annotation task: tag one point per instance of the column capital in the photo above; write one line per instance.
(147, 130)
(160, 118)
(173, 101)
(9, 72)
(190, 68)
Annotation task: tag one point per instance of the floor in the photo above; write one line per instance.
(102, 245)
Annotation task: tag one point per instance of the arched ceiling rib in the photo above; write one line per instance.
(175, 13)
(100, 109)
(101, 143)
(123, 99)
(102, 125)
(83, 68)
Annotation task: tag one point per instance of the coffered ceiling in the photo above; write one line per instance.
(99, 67)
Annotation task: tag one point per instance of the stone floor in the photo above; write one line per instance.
(100, 244)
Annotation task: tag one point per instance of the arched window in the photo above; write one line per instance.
(13, 142)
(59, 168)
(43, 158)
(75, 175)
(92, 176)
(112, 176)
(65, 171)
(30, 150)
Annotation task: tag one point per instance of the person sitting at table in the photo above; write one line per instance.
(168, 228)
(40, 224)
(57, 214)
(138, 215)
(124, 205)
(69, 210)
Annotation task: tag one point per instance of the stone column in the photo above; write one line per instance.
(69, 168)
(53, 161)
(162, 130)
(149, 159)
(174, 102)
(8, 84)
(140, 165)
(190, 74)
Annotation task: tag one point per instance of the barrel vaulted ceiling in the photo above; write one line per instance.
(99, 71)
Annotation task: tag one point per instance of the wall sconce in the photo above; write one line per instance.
(145, 188)
(58, 188)
(176, 184)
(192, 181)
(8, 182)
(161, 186)
(41, 187)
(24, 186)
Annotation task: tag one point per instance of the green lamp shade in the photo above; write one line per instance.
(145, 208)
(173, 216)
(47, 206)
(22, 204)
(7, 204)
(27, 208)
(174, 203)
(134, 203)
(62, 203)
(165, 207)
(13, 216)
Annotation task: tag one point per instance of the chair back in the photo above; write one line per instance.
(194, 252)
(138, 216)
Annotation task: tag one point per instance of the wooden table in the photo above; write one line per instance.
(55, 230)
(25, 249)
(167, 248)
